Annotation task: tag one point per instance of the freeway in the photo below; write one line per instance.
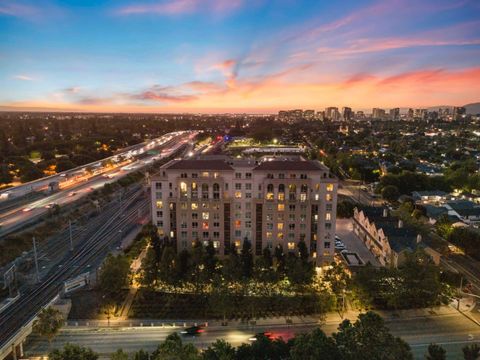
(452, 331)
(16, 218)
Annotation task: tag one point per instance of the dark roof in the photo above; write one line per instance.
(435, 212)
(404, 238)
(461, 205)
(373, 213)
(298, 165)
(199, 165)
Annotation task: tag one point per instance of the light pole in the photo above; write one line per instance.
(36, 259)
(70, 234)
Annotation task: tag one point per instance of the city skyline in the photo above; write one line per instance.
(237, 56)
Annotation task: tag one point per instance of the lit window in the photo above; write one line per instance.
(281, 207)
(205, 174)
(291, 245)
(205, 225)
(205, 215)
(216, 244)
(172, 234)
(317, 196)
(183, 206)
(328, 197)
(269, 235)
(303, 197)
(314, 254)
(183, 188)
(238, 224)
(238, 194)
(159, 204)
(280, 236)
(328, 216)
(194, 206)
(237, 243)
(329, 187)
(280, 226)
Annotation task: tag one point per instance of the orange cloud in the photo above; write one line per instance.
(279, 91)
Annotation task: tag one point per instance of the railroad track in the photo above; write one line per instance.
(32, 301)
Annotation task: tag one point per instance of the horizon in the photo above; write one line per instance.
(219, 56)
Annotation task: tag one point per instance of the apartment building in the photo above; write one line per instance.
(387, 238)
(269, 202)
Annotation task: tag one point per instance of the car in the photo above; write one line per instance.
(72, 193)
(50, 205)
(267, 334)
(27, 209)
(193, 330)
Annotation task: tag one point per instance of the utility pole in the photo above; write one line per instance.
(70, 232)
(36, 258)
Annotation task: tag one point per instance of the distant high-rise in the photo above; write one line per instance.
(459, 112)
(347, 113)
(309, 115)
(332, 113)
(395, 113)
(378, 113)
(410, 114)
(360, 115)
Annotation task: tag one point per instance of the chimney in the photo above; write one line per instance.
(400, 223)
(385, 212)
(419, 238)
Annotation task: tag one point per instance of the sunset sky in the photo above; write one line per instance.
(237, 55)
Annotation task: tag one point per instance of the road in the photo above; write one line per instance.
(452, 331)
(17, 217)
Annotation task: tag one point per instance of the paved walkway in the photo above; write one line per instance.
(330, 318)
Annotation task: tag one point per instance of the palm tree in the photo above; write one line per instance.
(471, 352)
(48, 323)
(435, 352)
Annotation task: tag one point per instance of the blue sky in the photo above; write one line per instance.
(237, 55)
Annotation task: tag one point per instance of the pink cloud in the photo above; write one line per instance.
(23, 77)
(182, 7)
(11, 8)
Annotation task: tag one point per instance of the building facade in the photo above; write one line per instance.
(227, 201)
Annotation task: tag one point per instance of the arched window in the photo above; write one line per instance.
(292, 191)
(269, 192)
(194, 190)
(303, 192)
(281, 192)
(183, 189)
(204, 191)
(216, 191)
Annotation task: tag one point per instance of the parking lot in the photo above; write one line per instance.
(352, 243)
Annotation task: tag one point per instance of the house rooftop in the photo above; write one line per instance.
(199, 164)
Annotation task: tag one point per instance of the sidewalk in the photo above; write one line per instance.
(330, 318)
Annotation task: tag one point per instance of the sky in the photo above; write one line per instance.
(254, 56)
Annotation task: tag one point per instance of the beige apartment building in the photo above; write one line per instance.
(270, 202)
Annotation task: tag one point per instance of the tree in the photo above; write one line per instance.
(114, 274)
(49, 322)
(390, 193)
(141, 355)
(471, 352)
(219, 350)
(149, 269)
(167, 265)
(73, 352)
(119, 355)
(173, 348)
(435, 352)
(314, 345)
(232, 267)
(368, 338)
(246, 259)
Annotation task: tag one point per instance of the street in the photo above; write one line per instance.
(452, 331)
